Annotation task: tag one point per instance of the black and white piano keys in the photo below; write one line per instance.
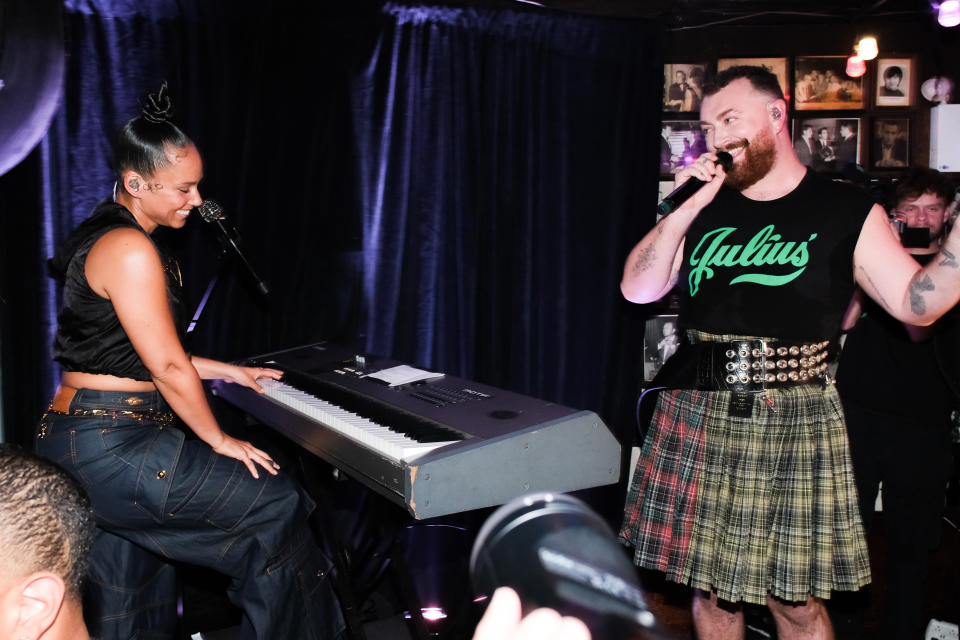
(435, 447)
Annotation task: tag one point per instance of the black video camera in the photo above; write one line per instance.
(912, 237)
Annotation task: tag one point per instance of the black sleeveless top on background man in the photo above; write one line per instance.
(883, 369)
(89, 337)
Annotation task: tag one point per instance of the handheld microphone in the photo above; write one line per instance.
(212, 213)
(682, 193)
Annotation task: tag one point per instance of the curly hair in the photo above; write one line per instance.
(46, 523)
(920, 180)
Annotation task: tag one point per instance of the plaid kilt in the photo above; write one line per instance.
(749, 506)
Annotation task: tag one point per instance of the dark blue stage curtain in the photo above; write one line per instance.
(453, 186)
(503, 156)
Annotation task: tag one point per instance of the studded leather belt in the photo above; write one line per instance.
(756, 365)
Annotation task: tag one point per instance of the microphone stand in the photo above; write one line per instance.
(206, 296)
(195, 319)
(224, 251)
(228, 240)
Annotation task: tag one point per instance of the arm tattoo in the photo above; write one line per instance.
(918, 285)
(644, 260)
(949, 260)
(875, 292)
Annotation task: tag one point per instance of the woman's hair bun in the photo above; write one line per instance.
(158, 108)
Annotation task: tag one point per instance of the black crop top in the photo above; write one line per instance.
(89, 337)
(779, 269)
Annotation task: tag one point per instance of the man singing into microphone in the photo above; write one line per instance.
(744, 489)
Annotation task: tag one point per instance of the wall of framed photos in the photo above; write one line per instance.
(880, 120)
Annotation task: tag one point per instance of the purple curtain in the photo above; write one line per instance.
(503, 156)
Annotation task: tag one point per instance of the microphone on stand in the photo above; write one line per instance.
(682, 193)
(212, 213)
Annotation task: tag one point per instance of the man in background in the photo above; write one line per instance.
(846, 148)
(675, 91)
(890, 148)
(898, 383)
(666, 151)
(825, 157)
(46, 532)
(804, 146)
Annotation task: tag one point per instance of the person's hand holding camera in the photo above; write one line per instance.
(504, 620)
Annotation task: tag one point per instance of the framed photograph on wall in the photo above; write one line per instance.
(805, 142)
(890, 148)
(822, 83)
(776, 65)
(681, 143)
(660, 341)
(894, 82)
(835, 142)
(682, 87)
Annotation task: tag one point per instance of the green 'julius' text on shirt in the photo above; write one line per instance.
(765, 248)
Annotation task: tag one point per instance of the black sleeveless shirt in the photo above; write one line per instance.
(781, 268)
(878, 354)
(89, 337)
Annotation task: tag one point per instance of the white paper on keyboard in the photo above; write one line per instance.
(403, 374)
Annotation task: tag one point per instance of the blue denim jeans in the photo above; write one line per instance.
(158, 496)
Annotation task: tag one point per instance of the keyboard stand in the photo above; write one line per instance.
(323, 521)
(398, 572)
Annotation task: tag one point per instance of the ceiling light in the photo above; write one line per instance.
(867, 48)
(949, 15)
(856, 67)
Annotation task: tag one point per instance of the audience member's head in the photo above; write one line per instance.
(922, 200)
(921, 180)
(46, 532)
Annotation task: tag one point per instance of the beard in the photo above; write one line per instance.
(758, 157)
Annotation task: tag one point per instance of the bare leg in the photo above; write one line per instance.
(808, 621)
(714, 621)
